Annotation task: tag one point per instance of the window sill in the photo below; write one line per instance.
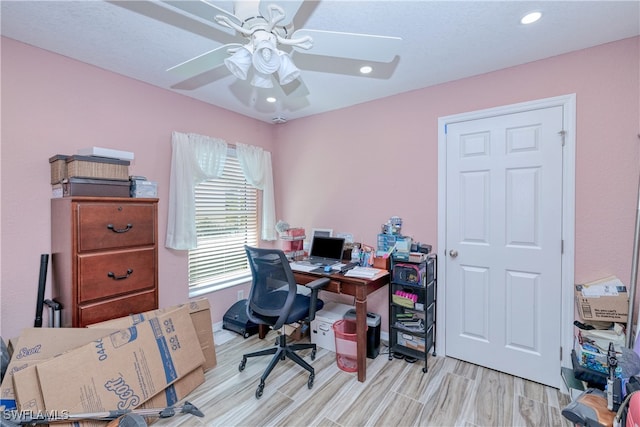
(199, 290)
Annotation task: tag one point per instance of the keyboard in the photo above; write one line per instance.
(321, 262)
(301, 266)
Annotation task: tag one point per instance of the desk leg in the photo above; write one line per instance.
(262, 331)
(361, 336)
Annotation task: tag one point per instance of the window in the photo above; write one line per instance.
(226, 220)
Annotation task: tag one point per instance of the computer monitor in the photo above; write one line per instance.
(326, 250)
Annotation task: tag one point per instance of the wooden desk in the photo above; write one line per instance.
(359, 288)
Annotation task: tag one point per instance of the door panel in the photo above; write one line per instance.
(504, 220)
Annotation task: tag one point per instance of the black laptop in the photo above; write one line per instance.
(326, 250)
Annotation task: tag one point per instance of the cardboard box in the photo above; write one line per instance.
(603, 300)
(11, 344)
(200, 311)
(296, 331)
(29, 396)
(36, 345)
(176, 391)
(123, 369)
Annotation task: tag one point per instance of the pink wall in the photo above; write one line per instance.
(54, 105)
(375, 160)
(380, 158)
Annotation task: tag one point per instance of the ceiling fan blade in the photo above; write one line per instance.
(202, 63)
(295, 89)
(290, 10)
(350, 45)
(202, 9)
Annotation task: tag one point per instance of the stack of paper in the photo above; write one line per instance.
(364, 272)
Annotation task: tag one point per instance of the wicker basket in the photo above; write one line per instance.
(63, 167)
(58, 168)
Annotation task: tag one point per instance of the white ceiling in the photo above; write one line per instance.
(441, 41)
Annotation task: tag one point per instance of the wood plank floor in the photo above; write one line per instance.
(396, 393)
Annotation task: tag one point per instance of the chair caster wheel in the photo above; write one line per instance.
(259, 390)
(310, 382)
(242, 364)
(424, 370)
(313, 354)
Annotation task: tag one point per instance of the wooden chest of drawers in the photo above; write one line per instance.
(104, 257)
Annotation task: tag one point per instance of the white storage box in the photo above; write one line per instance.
(322, 326)
(142, 188)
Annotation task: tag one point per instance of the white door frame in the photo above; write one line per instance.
(568, 102)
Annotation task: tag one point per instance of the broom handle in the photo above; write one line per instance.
(44, 261)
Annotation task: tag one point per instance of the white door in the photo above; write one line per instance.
(503, 243)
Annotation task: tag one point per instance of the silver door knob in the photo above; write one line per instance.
(453, 253)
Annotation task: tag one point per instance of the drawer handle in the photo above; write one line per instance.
(114, 277)
(120, 230)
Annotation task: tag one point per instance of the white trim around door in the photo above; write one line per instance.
(568, 104)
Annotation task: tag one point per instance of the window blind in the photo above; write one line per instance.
(226, 220)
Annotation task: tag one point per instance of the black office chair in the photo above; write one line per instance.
(274, 301)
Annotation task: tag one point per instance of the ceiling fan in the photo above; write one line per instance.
(266, 38)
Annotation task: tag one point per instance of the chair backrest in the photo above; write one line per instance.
(273, 290)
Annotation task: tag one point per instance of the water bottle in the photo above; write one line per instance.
(355, 254)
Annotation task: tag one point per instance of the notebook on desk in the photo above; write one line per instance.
(326, 250)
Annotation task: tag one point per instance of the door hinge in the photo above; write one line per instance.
(562, 134)
(560, 352)
(562, 246)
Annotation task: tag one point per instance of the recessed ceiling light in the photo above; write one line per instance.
(530, 18)
(271, 99)
(366, 69)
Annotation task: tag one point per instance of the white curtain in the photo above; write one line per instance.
(256, 166)
(195, 158)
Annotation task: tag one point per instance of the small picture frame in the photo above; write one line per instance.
(324, 232)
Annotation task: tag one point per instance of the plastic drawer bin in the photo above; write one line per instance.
(346, 345)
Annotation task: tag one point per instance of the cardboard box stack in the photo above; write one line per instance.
(148, 360)
(602, 304)
(36, 345)
(200, 312)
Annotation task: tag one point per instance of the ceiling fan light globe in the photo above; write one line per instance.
(239, 63)
(287, 72)
(265, 58)
(262, 80)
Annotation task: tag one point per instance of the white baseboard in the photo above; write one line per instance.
(384, 336)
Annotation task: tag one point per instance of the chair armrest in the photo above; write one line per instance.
(315, 286)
